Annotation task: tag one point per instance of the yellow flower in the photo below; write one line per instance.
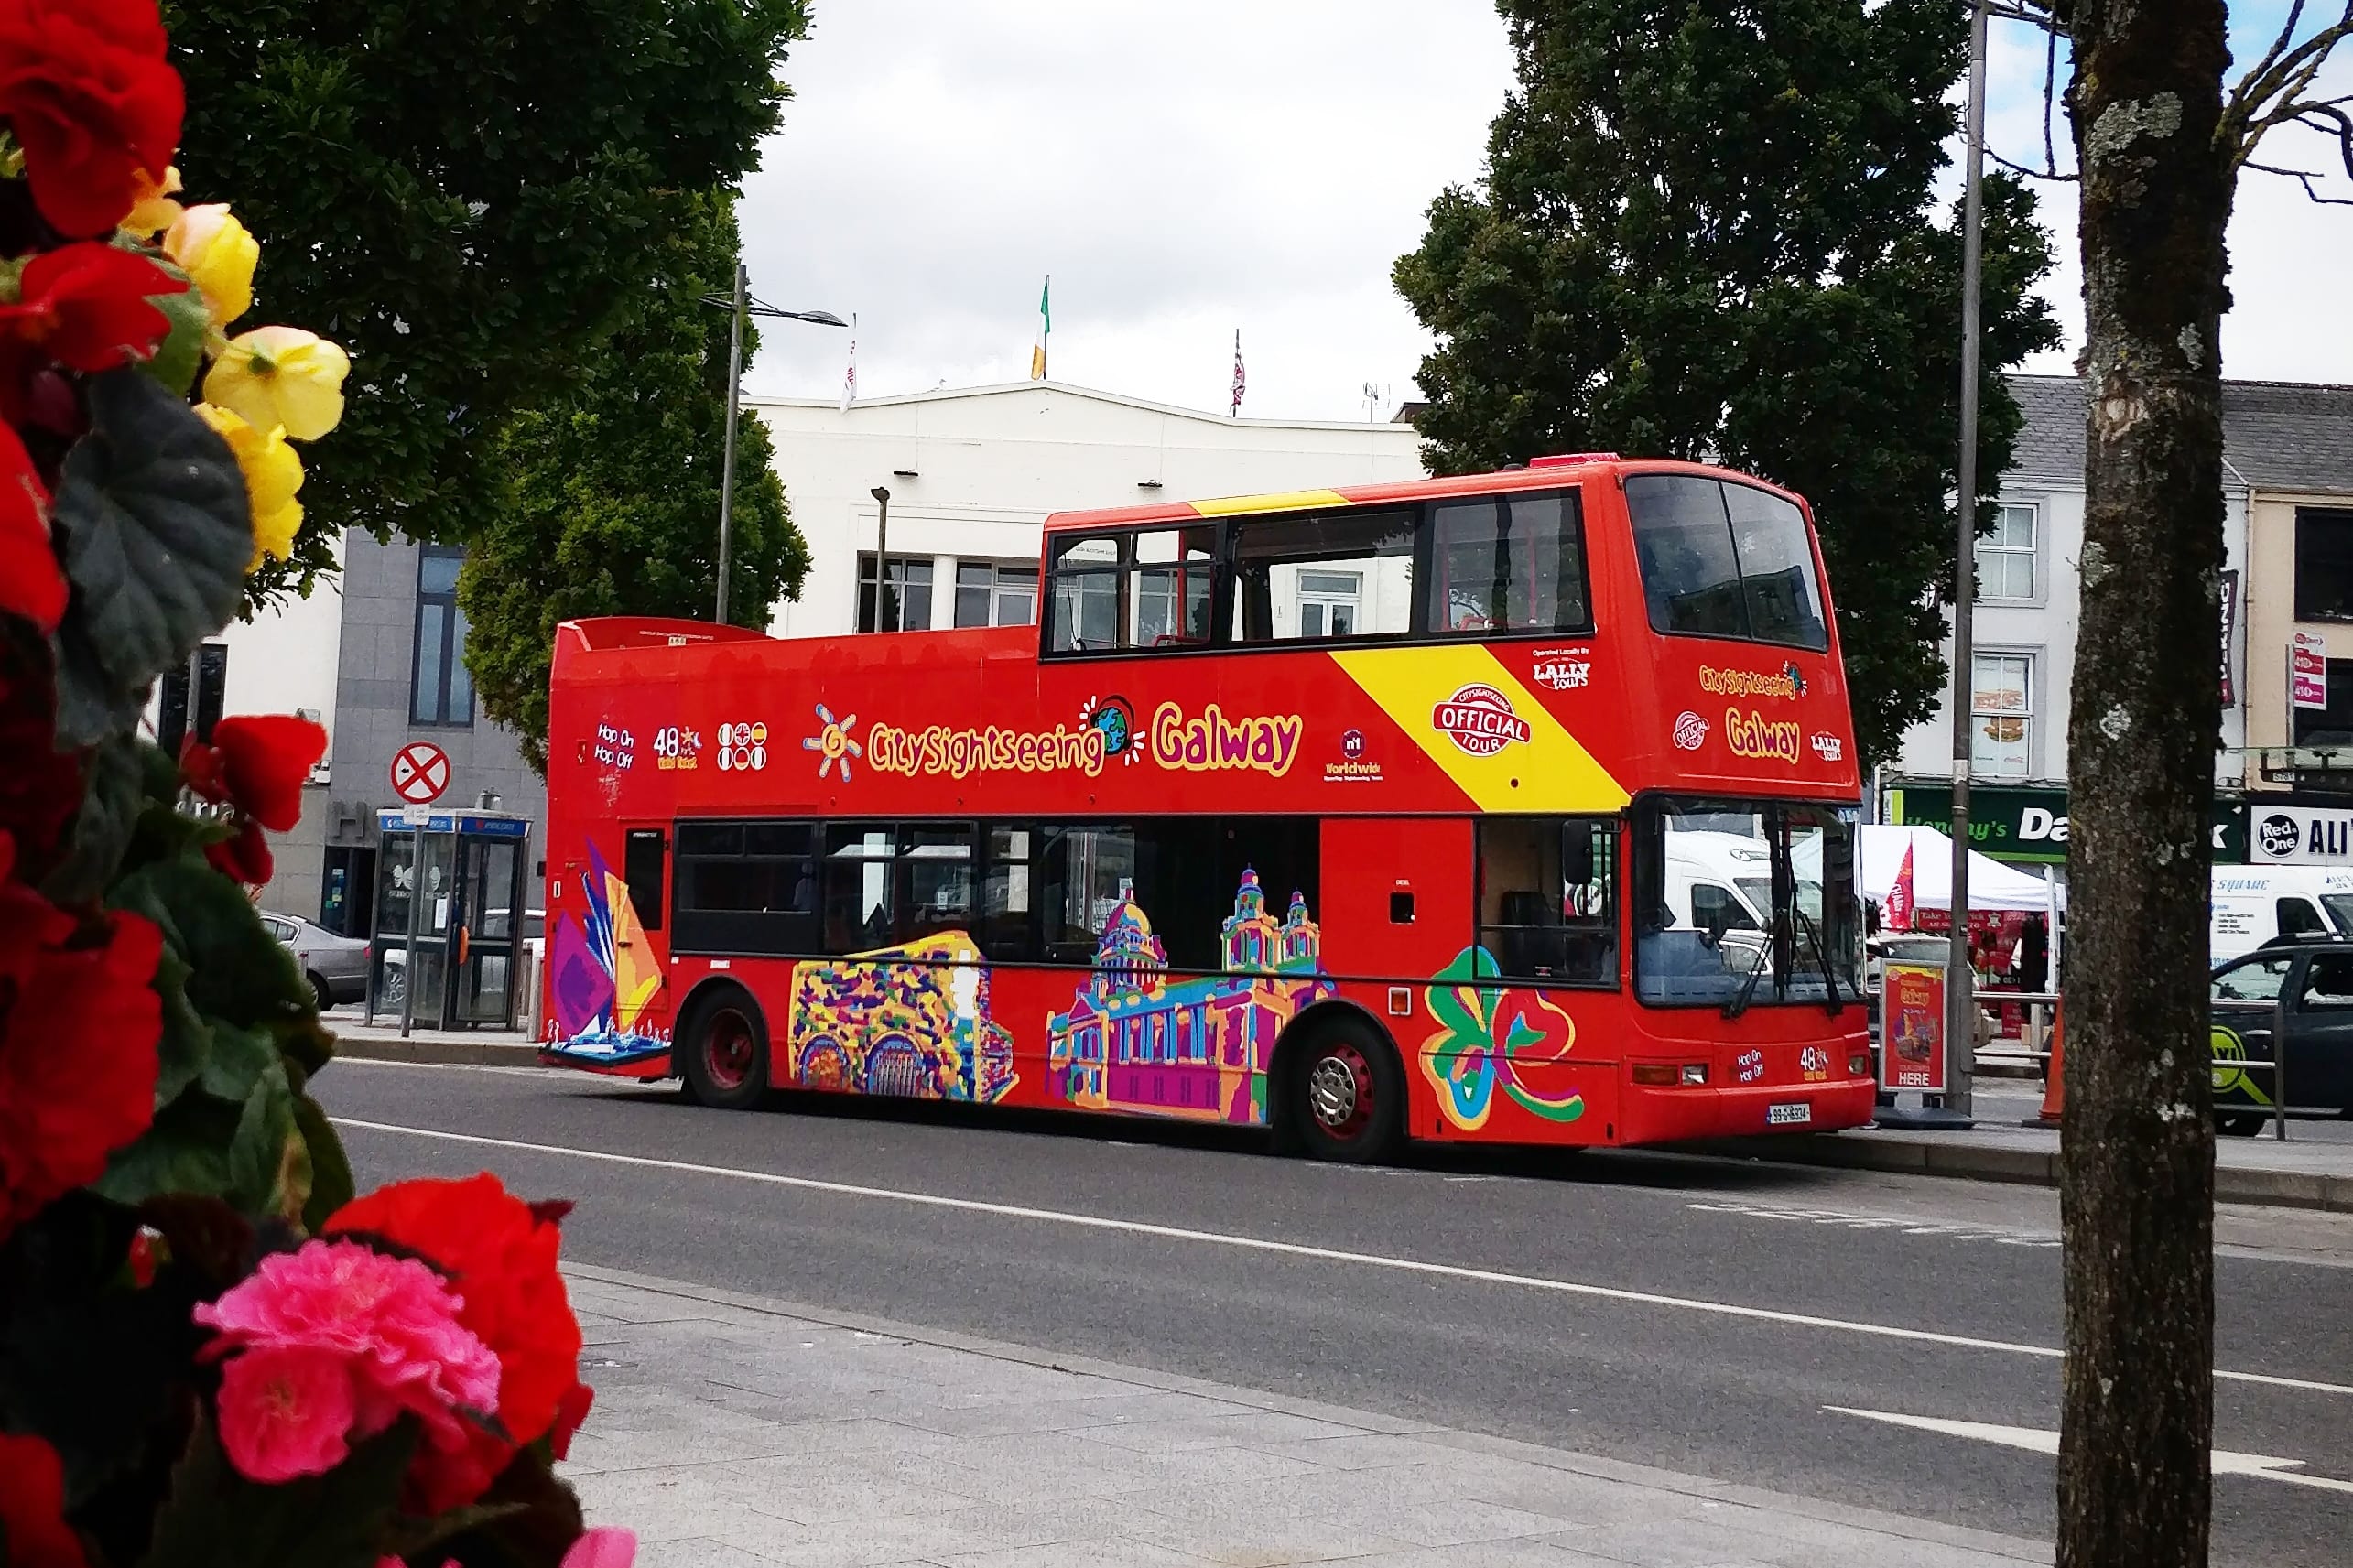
(280, 375)
(213, 249)
(273, 475)
(156, 210)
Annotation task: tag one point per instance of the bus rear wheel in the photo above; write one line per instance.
(723, 1054)
(1347, 1098)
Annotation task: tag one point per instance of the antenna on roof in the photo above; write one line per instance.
(1375, 393)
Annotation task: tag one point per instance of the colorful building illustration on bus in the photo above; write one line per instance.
(911, 1020)
(1197, 1049)
(603, 977)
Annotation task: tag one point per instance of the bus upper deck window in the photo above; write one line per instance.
(1508, 563)
(1725, 560)
(1323, 575)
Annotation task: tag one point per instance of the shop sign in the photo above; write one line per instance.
(1912, 1030)
(2308, 670)
(2302, 835)
(2031, 825)
(2229, 630)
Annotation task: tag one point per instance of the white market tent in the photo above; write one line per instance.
(1992, 885)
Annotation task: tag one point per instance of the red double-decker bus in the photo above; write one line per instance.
(1515, 806)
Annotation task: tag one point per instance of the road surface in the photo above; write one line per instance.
(1710, 1316)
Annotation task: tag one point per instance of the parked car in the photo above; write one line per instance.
(336, 967)
(2306, 988)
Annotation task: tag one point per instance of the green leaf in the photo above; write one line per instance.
(185, 1048)
(258, 1147)
(330, 1170)
(184, 1151)
(182, 353)
(215, 1518)
(154, 534)
(111, 803)
(241, 973)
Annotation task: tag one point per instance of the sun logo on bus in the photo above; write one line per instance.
(834, 743)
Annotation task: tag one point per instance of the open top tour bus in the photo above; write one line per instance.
(1515, 806)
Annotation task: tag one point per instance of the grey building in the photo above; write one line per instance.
(400, 678)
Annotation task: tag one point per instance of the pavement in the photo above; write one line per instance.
(2313, 1169)
(1859, 1339)
(731, 1431)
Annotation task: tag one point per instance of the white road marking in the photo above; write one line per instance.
(2036, 1440)
(1848, 1219)
(1288, 1249)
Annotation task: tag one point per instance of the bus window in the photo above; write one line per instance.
(855, 886)
(1508, 563)
(1087, 873)
(1083, 606)
(1697, 934)
(1007, 913)
(934, 887)
(1327, 575)
(1776, 568)
(1547, 909)
(1725, 560)
(1169, 587)
(744, 888)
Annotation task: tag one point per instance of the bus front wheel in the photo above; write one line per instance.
(1347, 1098)
(725, 1060)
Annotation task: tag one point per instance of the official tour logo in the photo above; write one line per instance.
(1690, 730)
(1480, 720)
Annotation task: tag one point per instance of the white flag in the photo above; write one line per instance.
(849, 377)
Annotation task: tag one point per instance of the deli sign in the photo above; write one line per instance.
(2031, 825)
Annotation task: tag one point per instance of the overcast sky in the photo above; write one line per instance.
(1185, 168)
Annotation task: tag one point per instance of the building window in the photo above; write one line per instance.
(2333, 725)
(2002, 702)
(990, 595)
(2324, 564)
(907, 606)
(1327, 603)
(439, 689)
(2006, 555)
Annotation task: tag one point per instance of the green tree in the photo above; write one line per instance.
(1711, 232)
(467, 194)
(613, 503)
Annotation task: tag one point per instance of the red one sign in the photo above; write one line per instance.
(420, 772)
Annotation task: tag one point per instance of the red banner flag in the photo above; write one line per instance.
(1899, 897)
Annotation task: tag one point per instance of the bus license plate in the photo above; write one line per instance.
(1786, 1115)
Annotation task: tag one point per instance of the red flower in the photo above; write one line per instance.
(245, 857)
(86, 307)
(501, 1258)
(40, 787)
(30, 584)
(32, 1506)
(79, 1024)
(256, 763)
(84, 86)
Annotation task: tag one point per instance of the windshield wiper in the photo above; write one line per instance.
(1813, 939)
(1740, 1004)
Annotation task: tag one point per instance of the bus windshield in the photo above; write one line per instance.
(1792, 919)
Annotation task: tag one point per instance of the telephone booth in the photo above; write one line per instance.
(462, 942)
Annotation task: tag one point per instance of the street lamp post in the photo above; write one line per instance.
(1960, 1004)
(739, 306)
(884, 615)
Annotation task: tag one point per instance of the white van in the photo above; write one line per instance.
(2251, 905)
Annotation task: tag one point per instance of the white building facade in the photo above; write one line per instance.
(973, 473)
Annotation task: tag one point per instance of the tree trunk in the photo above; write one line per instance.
(2137, 1158)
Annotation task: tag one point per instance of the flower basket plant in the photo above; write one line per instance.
(212, 1352)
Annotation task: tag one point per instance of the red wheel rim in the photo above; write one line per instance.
(1341, 1095)
(726, 1050)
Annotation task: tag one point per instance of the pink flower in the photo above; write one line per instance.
(605, 1547)
(284, 1414)
(338, 1342)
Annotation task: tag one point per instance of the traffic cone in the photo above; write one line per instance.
(2054, 1085)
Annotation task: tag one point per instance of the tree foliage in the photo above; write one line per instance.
(469, 195)
(613, 499)
(1712, 234)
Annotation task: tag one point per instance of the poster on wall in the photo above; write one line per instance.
(2308, 670)
(2229, 630)
(1912, 1030)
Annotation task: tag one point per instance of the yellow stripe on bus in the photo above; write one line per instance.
(1547, 771)
(1286, 500)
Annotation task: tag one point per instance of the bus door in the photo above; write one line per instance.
(644, 945)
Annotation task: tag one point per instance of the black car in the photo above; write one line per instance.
(2306, 989)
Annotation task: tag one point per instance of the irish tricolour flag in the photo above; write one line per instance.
(1045, 326)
